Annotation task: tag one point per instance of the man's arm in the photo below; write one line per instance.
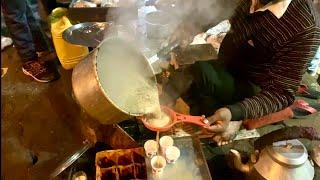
(285, 77)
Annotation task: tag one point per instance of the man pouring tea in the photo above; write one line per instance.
(259, 67)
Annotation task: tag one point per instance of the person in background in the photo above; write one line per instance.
(28, 39)
(260, 65)
(309, 86)
(314, 64)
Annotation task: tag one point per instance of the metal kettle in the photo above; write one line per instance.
(281, 160)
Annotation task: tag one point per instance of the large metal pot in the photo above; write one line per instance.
(100, 81)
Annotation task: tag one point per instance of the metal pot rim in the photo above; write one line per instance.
(281, 157)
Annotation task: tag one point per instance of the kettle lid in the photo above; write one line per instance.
(289, 152)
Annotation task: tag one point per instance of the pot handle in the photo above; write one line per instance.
(286, 133)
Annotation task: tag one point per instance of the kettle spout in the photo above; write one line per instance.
(236, 157)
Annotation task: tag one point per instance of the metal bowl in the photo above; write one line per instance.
(89, 34)
(158, 24)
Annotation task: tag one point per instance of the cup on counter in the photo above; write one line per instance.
(158, 163)
(165, 142)
(80, 175)
(151, 148)
(172, 154)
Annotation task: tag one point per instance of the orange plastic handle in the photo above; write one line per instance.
(196, 120)
(178, 118)
(268, 119)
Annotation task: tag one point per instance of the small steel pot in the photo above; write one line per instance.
(159, 25)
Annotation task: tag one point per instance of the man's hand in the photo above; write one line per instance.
(220, 120)
(229, 134)
(221, 125)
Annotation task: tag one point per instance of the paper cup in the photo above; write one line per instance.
(151, 148)
(158, 163)
(172, 154)
(165, 142)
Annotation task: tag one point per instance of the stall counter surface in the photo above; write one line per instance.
(191, 164)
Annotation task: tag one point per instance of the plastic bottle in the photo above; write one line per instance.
(69, 54)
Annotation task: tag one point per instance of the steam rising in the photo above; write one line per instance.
(201, 14)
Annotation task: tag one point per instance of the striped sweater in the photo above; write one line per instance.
(286, 45)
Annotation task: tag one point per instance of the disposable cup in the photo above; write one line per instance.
(172, 154)
(158, 163)
(151, 148)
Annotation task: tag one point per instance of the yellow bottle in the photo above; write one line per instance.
(69, 54)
